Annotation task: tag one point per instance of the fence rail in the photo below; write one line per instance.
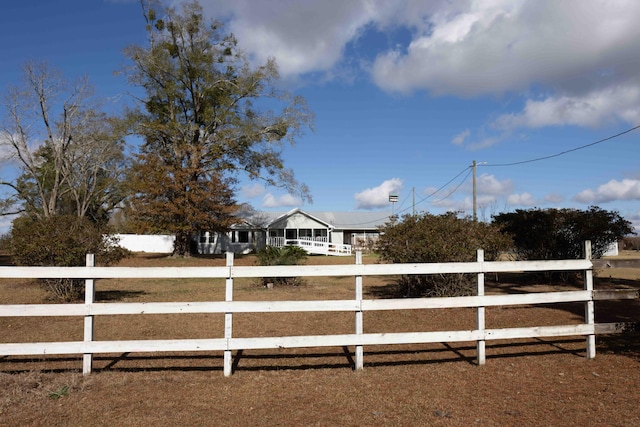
(88, 347)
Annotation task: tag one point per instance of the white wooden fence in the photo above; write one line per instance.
(88, 347)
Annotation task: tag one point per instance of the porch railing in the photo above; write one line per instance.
(313, 246)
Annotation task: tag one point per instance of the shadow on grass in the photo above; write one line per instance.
(117, 295)
(389, 290)
(312, 359)
(627, 344)
(606, 311)
(509, 283)
(6, 260)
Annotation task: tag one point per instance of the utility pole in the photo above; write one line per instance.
(473, 166)
(475, 198)
(413, 190)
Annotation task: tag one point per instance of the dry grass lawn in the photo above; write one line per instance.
(528, 382)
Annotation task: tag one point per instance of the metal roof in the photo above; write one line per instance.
(339, 220)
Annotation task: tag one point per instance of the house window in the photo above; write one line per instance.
(204, 237)
(243, 236)
(305, 233)
(291, 233)
(320, 232)
(276, 233)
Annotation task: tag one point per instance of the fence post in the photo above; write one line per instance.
(89, 298)
(589, 310)
(228, 317)
(359, 325)
(480, 345)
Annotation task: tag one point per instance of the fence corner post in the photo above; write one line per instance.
(589, 309)
(228, 317)
(359, 321)
(89, 298)
(480, 314)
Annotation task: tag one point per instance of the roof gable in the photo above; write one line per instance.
(291, 216)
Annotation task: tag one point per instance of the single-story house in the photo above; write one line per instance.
(331, 233)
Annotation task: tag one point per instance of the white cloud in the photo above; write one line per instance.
(627, 189)
(523, 199)
(451, 204)
(378, 197)
(590, 110)
(251, 191)
(461, 137)
(478, 47)
(553, 198)
(303, 36)
(490, 185)
(574, 59)
(484, 143)
(286, 200)
(577, 53)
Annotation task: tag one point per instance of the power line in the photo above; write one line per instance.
(468, 170)
(445, 185)
(455, 189)
(441, 188)
(404, 200)
(567, 151)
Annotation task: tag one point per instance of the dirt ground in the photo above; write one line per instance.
(528, 382)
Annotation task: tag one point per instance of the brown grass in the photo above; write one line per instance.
(525, 382)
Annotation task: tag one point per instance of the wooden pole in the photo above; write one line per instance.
(228, 318)
(89, 298)
(480, 312)
(359, 319)
(589, 308)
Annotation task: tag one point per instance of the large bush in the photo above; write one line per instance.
(560, 233)
(439, 238)
(62, 241)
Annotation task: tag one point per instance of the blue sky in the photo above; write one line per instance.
(407, 94)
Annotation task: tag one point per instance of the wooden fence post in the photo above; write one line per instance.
(359, 320)
(228, 317)
(589, 310)
(480, 345)
(89, 298)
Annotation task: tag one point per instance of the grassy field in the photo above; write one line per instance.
(525, 382)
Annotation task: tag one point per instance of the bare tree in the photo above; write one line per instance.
(69, 153)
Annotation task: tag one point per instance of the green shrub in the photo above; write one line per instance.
(62, 241)
(541, 234)
(439, 238)
(286, 255)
